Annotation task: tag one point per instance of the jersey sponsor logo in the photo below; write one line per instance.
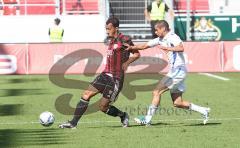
(8, 64)
(115, 46)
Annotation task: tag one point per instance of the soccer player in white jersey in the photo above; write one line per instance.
(172, 45)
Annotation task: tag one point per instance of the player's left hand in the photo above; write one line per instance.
(127, 45)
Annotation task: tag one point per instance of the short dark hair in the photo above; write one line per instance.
(163, 23)
(57, 21)
(114, 21)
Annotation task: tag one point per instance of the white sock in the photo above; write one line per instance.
(151, 111)
(197, 108)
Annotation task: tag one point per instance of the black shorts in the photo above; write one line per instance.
(109, 86)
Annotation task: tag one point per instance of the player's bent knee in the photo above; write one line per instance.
(155, 93)
(103, 107)
(86, 95)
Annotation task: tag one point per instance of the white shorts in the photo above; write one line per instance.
(174, 80)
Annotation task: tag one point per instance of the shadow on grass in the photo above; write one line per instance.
(28, 137)
(11, 109)
(152, 125)
(208, 124)
(21, 92)
(21, 80)
(131, 125)
(157, 125)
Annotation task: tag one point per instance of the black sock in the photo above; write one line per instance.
(113, 111)
(79, 111)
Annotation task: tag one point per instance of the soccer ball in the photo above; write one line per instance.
(46, 118)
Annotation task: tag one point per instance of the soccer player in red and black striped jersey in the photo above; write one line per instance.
(109, 83)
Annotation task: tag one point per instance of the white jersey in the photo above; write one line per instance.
(175, 58)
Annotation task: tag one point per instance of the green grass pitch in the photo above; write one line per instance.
(24, 97)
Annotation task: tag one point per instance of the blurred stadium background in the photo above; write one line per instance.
(25, 24)
(37, 15)
(27, 56)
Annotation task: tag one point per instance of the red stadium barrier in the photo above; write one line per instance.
(203, 56)
(39, 58)
(54, 52)
(231, 56)
(13, 59)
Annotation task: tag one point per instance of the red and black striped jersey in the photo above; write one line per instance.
(117, 55)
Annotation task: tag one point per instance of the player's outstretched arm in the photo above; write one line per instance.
(137, 47)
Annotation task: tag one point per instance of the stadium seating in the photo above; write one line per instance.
(85, 6)
(195, 5)
(34, 10)
(10, 1)
(48, 7)
(10, 8)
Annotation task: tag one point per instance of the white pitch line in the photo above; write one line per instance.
(101, 122)
(215, 76)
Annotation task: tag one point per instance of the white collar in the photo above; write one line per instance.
(167, 35)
